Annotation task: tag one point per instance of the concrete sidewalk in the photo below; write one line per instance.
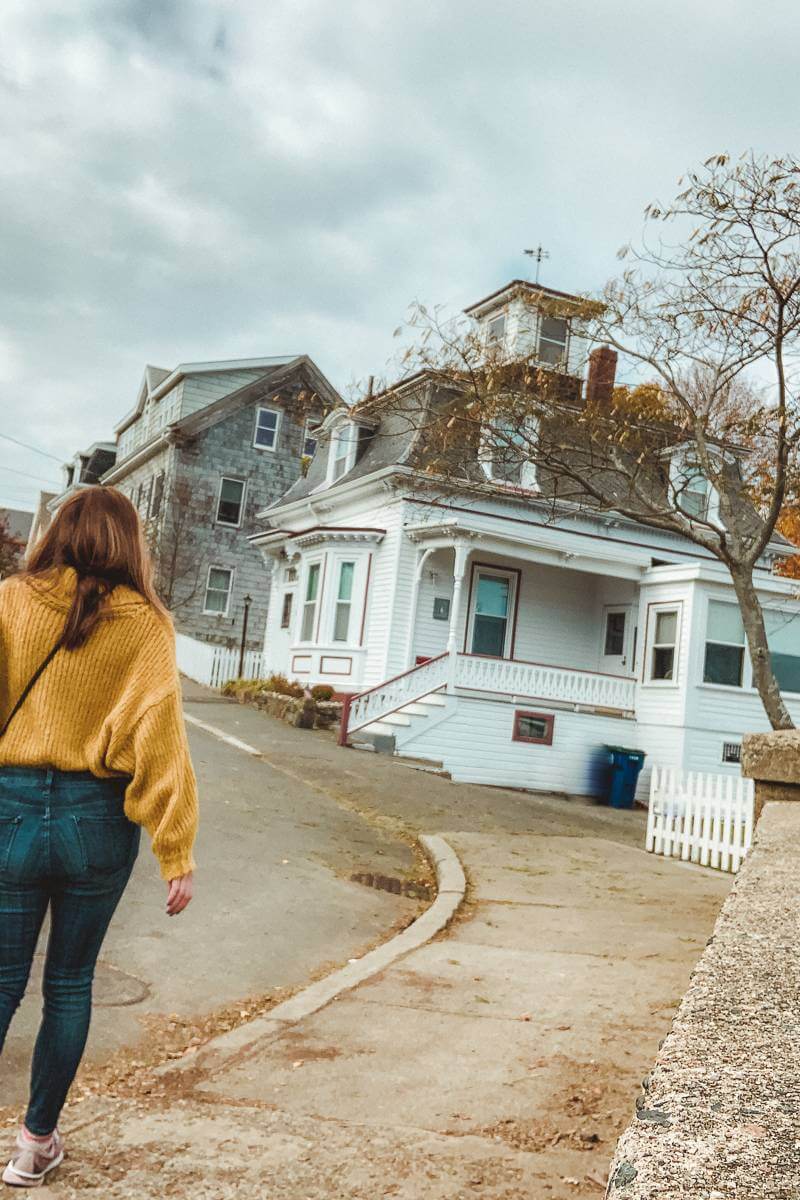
(500, 1060)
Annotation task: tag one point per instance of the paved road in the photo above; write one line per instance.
(274, 903)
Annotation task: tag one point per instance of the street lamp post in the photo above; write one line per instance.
(248, 600)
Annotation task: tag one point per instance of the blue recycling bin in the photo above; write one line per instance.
(623, 776)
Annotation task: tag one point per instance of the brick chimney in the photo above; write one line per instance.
(600, 377)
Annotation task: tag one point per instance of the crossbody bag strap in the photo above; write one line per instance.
(29, 686)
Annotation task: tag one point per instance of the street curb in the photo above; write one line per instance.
(450, 886)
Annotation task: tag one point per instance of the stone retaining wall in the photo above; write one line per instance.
(302, 712)
(719, 1115)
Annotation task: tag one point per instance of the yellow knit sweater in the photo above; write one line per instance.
(111, 707)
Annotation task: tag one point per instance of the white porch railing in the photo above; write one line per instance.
(701, 818)
(214, 665)
(545, 683)
(388, 697)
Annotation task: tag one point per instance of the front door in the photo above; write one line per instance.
(492, 613)
(615, 652)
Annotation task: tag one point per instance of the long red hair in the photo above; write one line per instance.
(96, 531)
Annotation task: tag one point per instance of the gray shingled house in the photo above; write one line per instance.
(206, 447)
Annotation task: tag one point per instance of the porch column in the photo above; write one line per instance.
(462, 551)
(412, 614)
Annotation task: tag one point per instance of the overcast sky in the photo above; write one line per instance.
(200, 179)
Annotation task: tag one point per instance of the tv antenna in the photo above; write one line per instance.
(538, 255)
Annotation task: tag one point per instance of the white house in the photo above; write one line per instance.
(499, 633)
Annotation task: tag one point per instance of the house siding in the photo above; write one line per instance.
(475, 745)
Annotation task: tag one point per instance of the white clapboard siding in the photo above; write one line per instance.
(699, 817)
(214, 665)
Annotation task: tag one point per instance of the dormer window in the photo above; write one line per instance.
(505, 453)
(691, 491)
(342, 454)
(553, 341)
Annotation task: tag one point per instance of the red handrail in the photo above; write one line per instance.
(351, 696)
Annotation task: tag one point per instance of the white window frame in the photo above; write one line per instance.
(336, 600)
(213, 612)
(303, 602)
(666, 606)
(562, 362)
(513, 579)
(528, 480)
(287, 594)
(217, 519)
(681, 469)
(276, 412)
(747, 670)
(348, 429)
(308, 435)
(497, 339)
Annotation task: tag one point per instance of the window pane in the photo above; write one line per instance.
(307, 632)
(783, 636)
(286, 613)
(663, 660)
(341, 626)
(615, 633)
(312, 582)
(723, 664)
(666, 628)
(531, 727)
(554, 329)
(783, 632)
(219, 582)
(346, 572)
(229, 509)
(489, 636)
(219, 578)
(492, 596)
(497, 328)
(725, 623)
(787, 671)
(266, 427)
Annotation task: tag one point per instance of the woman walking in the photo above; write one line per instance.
(92, 746)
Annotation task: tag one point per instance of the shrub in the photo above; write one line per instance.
(322, 691)
(280, 684)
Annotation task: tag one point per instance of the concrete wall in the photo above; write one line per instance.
(719, 1113)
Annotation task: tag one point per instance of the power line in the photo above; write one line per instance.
(27, 446)
(28, 475)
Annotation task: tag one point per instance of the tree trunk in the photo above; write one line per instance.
(756, 634)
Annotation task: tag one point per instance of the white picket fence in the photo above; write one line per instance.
(701, 818)
(214, 665)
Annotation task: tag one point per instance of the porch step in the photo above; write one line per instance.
(428, 765)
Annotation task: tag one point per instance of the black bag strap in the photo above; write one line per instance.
(29, 686)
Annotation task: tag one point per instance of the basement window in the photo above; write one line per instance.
(536, 728)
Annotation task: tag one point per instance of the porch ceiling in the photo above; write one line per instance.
(554, 547)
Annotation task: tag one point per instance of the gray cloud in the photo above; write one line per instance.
(188, 179)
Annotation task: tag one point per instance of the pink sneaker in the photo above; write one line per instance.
(33, 1160)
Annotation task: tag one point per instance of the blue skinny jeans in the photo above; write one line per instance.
(67, 846)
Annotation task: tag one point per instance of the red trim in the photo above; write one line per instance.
(295, 657)
(345, 721)
(509, 571)
(331, 657)
(421, 658)
(366, 594)
(527, 662)
(549, 722)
